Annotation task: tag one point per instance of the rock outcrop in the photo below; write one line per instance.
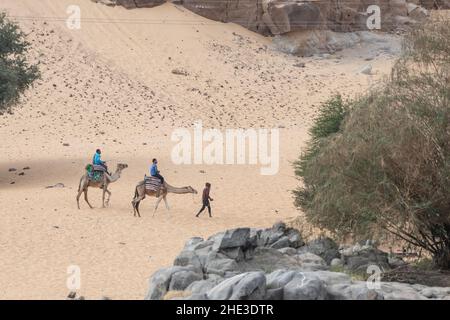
(280, 17)
(132, 4)
(276, 264)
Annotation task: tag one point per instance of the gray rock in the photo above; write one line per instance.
(269, 259)
(131, 4)
(274, 294)
(331, 278)
(232, 239)
(192, 242)
(395, 262)
(289, 251)
(325, 248)
(305, 287)
(364, 258)
(283, 242)
(270, 236)
(234, 253)
(312, 262)
(245, 286)
(203, 286)
(218, 263)
(253, 237)
(295, 239)
(279, 278)
(336, 262)
(181, 280)
(353, 291)
(186, 258)
(160, 281)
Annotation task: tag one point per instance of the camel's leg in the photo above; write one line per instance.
(86, 199)
(167, 204)
(137, 208)
(104, 194)
(78, 198)
(81, 189)
(136, 203)
(157, 204)
(108, 198)
(133, 203)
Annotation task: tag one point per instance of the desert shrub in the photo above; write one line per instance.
(385, 170)
(16, 74)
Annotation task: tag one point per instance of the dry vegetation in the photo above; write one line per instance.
(380, 165)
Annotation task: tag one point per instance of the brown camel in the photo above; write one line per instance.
(86, 182)
(141, 192)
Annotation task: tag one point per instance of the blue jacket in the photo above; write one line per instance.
(97, 159)
(154, 170)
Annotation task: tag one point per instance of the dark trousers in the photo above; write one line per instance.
(205, 205)
(160, 177)
(105, 167)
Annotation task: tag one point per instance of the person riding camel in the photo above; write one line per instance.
(154, 172)
(97, 160)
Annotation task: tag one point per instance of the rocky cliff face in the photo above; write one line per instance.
(281, 17)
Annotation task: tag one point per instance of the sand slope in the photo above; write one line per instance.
(111, 85)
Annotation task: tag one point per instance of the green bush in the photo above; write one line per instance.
(16, 74)
(384, 167)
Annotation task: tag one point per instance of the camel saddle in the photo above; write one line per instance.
(95, 172)
(96, 167)
(152, 183)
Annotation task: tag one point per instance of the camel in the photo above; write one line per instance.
(141, 192)
(86, 182)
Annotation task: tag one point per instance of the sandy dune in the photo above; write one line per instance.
(110, 85)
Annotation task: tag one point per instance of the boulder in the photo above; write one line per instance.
(417, 12)
(291, 16)
(218, 263)
(182, 279)
(310, 261)
(192, 243)
(160, 281)
(353, 291)
(131, 4)
(295, 238)
(279, 236)
(360, 260)
(279, 278)
(274, 294)
(289, 251)
(269, 259)
(189, 258)
(232, 239)
(236, 254)
(283, 242)
(336, 262)
(245, 286)
(203, 286)
(325, 248)
(305, 286)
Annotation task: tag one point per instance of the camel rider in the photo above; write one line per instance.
(97, 160)
(154, 172)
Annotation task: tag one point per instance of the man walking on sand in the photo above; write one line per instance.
(206, 198)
